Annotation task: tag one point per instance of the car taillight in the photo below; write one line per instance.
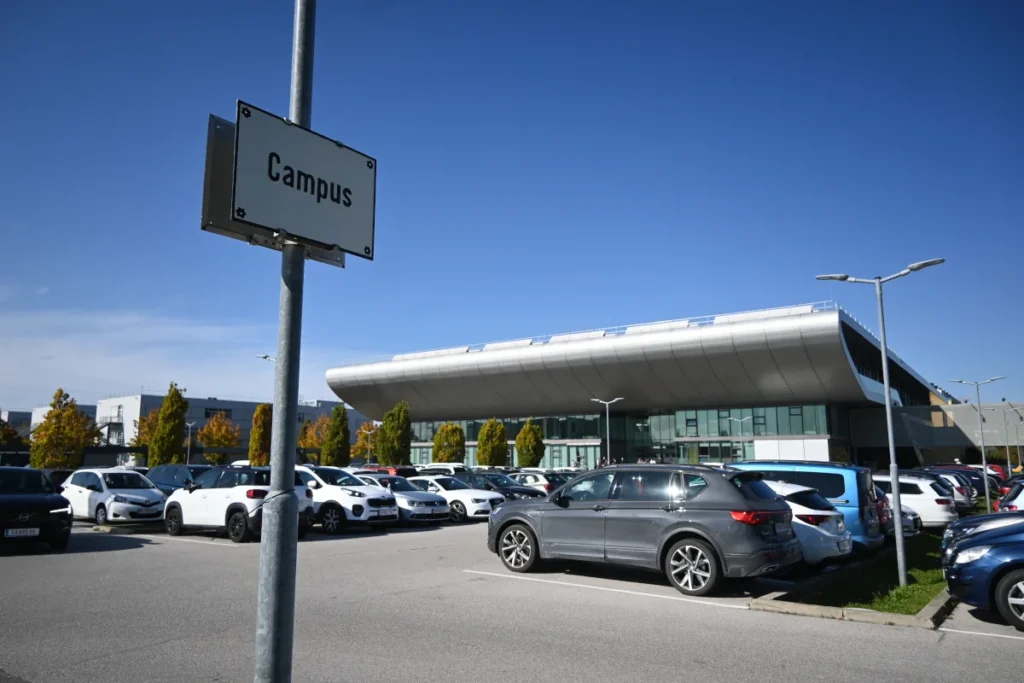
(1009, 508)
(549, 487)
(943, 501)
(255, 493)
(961, 491)
(814, 520)
(754, 517)
(1004, 490)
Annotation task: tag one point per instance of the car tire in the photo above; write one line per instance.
(1011, 586)
(238, 528)
(332, 519)
(59, 545)
(692, 567)
(458, 512)
(517, 548)
(172, 522)
(101, 515)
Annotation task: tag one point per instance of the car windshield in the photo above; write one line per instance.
(14, 482)
(400, 484)
(477, 481)
(450, 484)
(126, 480)
(750, 484)
(810, 499)
(560, 478)
(337, 477)
(501, 480)
(196, 470)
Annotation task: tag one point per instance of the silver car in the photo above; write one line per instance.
(414, 505)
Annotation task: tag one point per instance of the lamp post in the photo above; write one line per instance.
(894, 477)
(981, 431)
(741, 420)
(188, 455)
(1006, 437)
(1016, 434)
(608, 422)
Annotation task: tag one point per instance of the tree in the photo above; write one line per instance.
(259, 437)
(492, 444)
(394, 439)
(62, 437)
(313, 435)
(449, 444)
(366, 441)
(145, 428)
(9, 436)
(530, 444)
(335, 448)
(168, 442)
(219, 432)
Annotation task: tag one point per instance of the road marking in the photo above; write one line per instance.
(609, 590)
(209, 542)
(979, 633)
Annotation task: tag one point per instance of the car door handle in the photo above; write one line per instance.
(599, 508)
(669, 508)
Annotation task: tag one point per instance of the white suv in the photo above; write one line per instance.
(464, 501)
(113, 495)
(340, 499)
(230, 498)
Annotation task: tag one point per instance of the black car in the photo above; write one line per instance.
(698, 525)
(58, 477)
(170, 478)
(32, 510)
(499, 483)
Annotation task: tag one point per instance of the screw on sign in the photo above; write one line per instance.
(245, 112)
(366, 250)
(369, 164)
(240, 212)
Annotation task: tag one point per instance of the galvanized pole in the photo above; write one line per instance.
(1006, 435)
(984, 459)
(275, 614)
(894, 475)
(608, 430)
(188, 455)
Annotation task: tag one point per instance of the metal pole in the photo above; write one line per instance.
(1006, 437)
(984, 460)
(894, 476)
(275, 612)
(608, 430)
(1016, 435)
(188, 454)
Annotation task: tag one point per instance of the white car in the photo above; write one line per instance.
(230, 499)
(465, 502)
(1012, 501)
(542, 480)
(818, 525)
(962, 495)
(414, 504)
(442, 468)
(924, 496)
(341, 499)
(113, 495)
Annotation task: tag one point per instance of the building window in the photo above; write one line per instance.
(210, 412)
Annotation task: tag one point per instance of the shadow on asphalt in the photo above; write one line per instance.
(986, 616)
(80, 544)
(315, 535)
(731, 588)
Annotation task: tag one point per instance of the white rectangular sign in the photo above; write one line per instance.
(292, 180)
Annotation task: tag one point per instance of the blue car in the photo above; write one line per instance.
(848, 487)
(984, 566)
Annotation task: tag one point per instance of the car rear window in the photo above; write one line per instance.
(829, 485)
(810, 499)
(941, 490)
(752, 488)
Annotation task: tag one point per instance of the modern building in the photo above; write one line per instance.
(798, 382)
(39, 413)
(18, 420)
(118, 416)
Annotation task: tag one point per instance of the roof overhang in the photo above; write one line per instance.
(738, 360)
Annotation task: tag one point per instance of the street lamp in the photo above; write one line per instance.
(188, 456)
(981, 430)
(608, 422)
(1016, 434)
(894, 476)
(1006, 436)
(741, 420)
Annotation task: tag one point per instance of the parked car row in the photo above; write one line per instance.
(983, 563)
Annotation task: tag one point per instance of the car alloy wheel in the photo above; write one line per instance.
(101, 515)
(516, 549)
(1015, 599)
(458, 512)
(1009, 598)
(690, 568)
(238, 530)
(172, 522)
(332, 519)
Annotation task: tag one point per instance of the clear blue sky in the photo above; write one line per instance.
(543, 167)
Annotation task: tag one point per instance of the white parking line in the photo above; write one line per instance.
(979, 633)
(603, 588)
(208, 542)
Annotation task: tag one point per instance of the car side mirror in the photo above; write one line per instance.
(313, 484)
(190, 487)
(560, 500)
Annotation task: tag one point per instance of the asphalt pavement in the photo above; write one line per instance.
(429, 605)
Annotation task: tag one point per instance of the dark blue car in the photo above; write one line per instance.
(983, 562)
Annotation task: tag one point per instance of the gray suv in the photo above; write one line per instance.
(697, 524)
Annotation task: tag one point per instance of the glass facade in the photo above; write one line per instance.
(713, 434)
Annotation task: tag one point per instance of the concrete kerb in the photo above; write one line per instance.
(124, 529)
(933, 614)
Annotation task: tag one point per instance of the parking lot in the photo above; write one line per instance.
(429, 604)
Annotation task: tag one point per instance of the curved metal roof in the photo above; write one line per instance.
(786, 356)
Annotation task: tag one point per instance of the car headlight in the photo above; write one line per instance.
(479, 501)
(61, 511)
(354, 494)
(416, 503)
(122, 499)
(971, 554)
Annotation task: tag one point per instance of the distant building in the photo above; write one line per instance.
(118, 417)
(18, 420)
(39, 413)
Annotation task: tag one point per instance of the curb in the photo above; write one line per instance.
(114, 531)
(936, 611)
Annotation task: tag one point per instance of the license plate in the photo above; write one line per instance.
(783, 529)
(21, 533)
(440, 512)
(374, 513)
(844, 546)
